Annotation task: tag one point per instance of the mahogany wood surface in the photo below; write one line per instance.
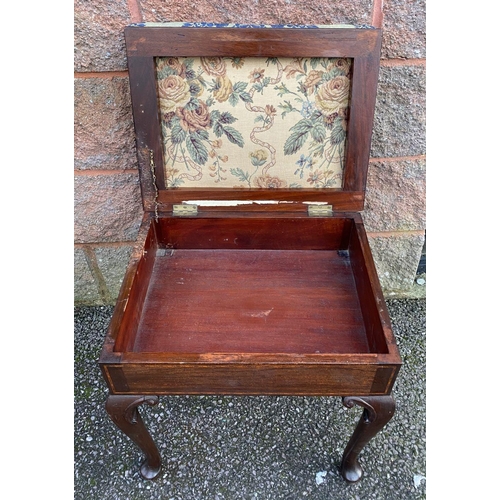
(250, 42)
(135, 298)
(124, 412)
(254, 233)
(240, 378)
(125, 312)
(296, 301)
(362, 45)
(288, 200)
(142, 76)
(253, 304)
(377, 411)
(370, 294)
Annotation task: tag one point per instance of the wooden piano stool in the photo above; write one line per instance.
(252, 273)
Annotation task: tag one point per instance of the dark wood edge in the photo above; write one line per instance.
(361, 114)
(377, 293)
(165, 358)
(259, 392)
(249, 42)
(133, 312)
(289, 199)
(117, 319)
(147, 124)
(145, 43)
(261, 213)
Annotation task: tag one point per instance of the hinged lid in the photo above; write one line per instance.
(253, 117)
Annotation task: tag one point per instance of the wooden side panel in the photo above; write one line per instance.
(115, 378)
(361, 113)
(144, 98)
(376, 316)
(115, 328)
(137, 294)
(384, 379)
(255, 233)
(254, 379)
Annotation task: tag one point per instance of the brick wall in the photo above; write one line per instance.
(107, 198)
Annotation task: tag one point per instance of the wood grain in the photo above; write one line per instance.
(253, 233)
(251, 379)
(295, 301)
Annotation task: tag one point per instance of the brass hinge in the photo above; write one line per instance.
(185, 210)
(320, 210)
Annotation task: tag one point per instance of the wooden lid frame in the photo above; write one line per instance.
(145, 43)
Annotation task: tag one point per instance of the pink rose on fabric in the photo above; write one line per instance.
(214, 66)
(270, 182)
(173, 92)
(194, 119)
(333, 95)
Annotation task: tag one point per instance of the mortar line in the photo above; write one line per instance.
(378, 13)
(397, 158)
(388, 234)
(90, 172)
(135, 11)
(82, 75)
(389, 63)
(105, 244)
(102, 288)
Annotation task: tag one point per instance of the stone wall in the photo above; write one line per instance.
(107, 195)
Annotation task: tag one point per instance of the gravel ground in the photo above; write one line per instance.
(225, 448)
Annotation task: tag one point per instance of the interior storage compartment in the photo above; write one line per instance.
(259, 284)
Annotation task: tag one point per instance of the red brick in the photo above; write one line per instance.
(404, 29)
(399, 125)
(98, 32)
(112, 262)
(269, 12)
(103, 124)
(395, 196)
(108, 208)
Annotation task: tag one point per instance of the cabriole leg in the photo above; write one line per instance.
(124, 412)
(378, 410)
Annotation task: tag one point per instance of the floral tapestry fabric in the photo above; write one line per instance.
(254, 122)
